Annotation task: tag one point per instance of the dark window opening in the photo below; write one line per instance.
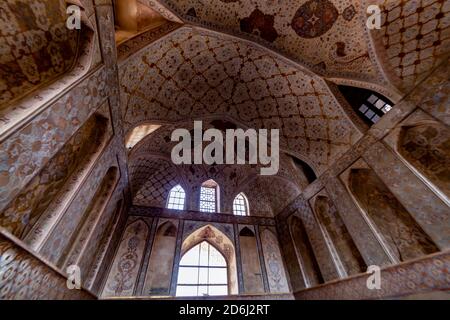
(369, 105)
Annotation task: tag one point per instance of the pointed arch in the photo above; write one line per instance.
(177, 198)
(159, 271)
(222, 243)
(209, 196)
(240, 205)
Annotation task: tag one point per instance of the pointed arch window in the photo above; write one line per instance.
(240, 205)
(176, 198)
(209, 197)
(203, 272)
(369, 105)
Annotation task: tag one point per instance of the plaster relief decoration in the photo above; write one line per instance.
(124, 271)
(274, 263)
(204, 73)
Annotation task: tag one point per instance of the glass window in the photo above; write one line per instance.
(209, 197)
(176, 198)
(202, 272)
(240, 205)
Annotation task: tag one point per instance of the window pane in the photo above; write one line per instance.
(217, 276)
(379, 104)
(190, 258)
(372, 99)
(218, 290)
(188, 275)
(216, 258)
(386, 108)
(369, 114)
(176, 198)
(213, 272)
(203, 276)
(375, 118)
(186, 291)
(204, 251)
(202, 291)
(363, 108)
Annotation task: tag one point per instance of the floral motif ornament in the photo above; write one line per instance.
(128, 261)
(314, 18)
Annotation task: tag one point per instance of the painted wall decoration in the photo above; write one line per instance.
(341, 239)
(427, 148)
(26, 209)
(404, 236)
(160, 265)
(274, 262)
(305, 254)
(327, 36)
(37, 46)
(24, 277)
(124, 271)
(413, 39)
(314, 18)
(205, 74)
(251, 268)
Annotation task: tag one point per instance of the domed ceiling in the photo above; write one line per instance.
(152, 174)
(193, 73)
(269, 64)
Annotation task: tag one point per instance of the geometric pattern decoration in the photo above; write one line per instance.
(324, 35)
(35, 45)
(415, 37)
(195, 73)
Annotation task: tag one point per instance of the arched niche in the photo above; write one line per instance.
(75, 249)
(251, 265)
(222, 243)
(342, 241)
(124, 271)
(273, 260)
(400, 231)
(43, 196)
(41, 55)
(426, 147)
(138, 133)
(305, 253)
(160, 266)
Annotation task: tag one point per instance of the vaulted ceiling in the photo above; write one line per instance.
(271, 64)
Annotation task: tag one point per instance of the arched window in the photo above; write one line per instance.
(203, 272)
(369, 105)
(176, 198)
(209, 196)
(240, 205)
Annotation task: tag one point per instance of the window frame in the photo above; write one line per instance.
(245, 205)
(215, 187)
(169, 197)
(199, 266)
